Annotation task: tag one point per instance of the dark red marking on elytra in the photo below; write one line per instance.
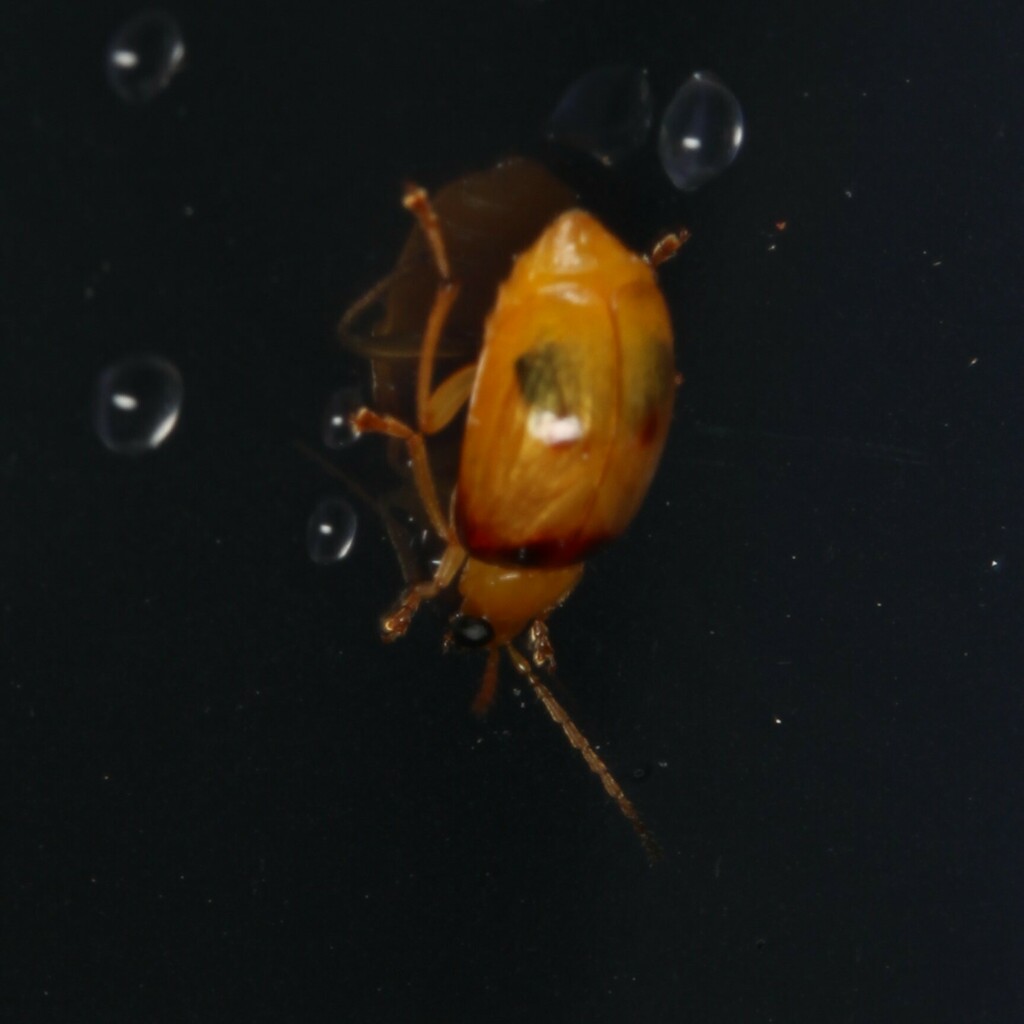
(648, 429)
(538, 552)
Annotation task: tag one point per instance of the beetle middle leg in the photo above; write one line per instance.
(367, 421)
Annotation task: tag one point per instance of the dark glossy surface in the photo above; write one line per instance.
(229, 801)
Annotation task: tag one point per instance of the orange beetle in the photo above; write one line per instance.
(570, 401)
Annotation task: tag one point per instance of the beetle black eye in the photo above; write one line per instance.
(469, 631)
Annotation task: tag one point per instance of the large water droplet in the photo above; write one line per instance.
(701, 131)
(137, 404)
(331, 531)
(144, 55)
(606, 113)
(335, 428)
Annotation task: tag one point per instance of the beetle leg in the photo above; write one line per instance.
(435, 410)
(367, 421)
(488, 685)
(396, 622)
(448, 398)
(417, 202)
(590, 755)
(665, 248)
(542, 653)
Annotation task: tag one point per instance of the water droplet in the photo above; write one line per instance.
(331, 531)
(701, 131)
(144, 55)
(137, 404)
(335, 428)
(606, 113)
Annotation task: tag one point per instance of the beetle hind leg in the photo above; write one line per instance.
(366, 421)
(417, 202)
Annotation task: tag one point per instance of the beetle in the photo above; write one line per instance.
(569, 404)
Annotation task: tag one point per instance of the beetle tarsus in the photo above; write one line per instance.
(665, 248)
(396, 623)
(417, 202)
(542, 652)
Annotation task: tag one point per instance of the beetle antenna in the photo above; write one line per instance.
(590, 755)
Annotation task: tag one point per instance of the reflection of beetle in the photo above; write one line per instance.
(570, 398)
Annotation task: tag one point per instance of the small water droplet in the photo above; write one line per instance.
(335, 428)
(144, 55)
(606, 113)
(701, 131)
(331, 531)
(137, 404)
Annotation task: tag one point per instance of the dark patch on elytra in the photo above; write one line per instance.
(549, 378)
(651, 390)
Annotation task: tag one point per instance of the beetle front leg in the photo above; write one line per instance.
(538, 641)
(397, 621)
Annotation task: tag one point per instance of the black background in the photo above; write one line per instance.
(229, 801)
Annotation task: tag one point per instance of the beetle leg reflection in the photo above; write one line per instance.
(396, 622)
(590, 755)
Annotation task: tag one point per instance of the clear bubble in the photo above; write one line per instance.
(331, 531)
(335, 428)
(137, 404)
(701, 131)
(143, 56)
(606, 113)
